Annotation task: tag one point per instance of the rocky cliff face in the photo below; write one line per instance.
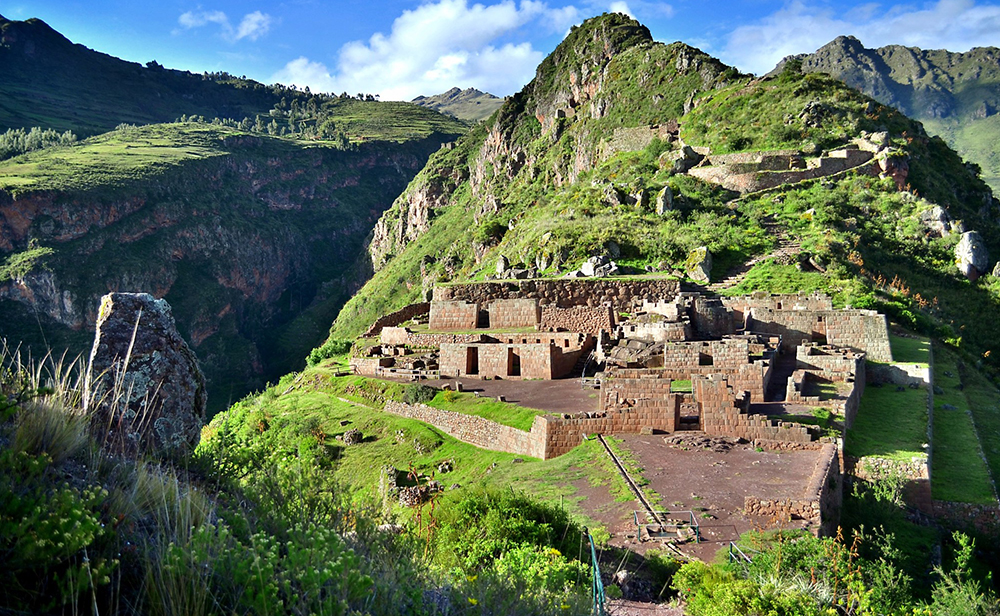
(581, 92)
(250, 246)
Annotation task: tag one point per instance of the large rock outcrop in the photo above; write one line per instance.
(972, 256)
(145, 393)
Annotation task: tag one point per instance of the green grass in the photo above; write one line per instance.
(890, 424)
(314, 406)
(501, 412)
(958, 472)
(910, 350)
(820, 417)
(983, 400)
(113, 158)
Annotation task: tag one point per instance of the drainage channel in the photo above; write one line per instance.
(628, 480)
(641, 498)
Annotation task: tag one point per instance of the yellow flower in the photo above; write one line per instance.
(473, 601)
(472, 578)
(565, 606)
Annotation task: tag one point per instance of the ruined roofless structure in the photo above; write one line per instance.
(647, 335)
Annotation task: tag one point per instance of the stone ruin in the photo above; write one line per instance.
(664, 361)
(643, 339)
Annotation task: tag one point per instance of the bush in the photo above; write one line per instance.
(418, 394)
(331, 348)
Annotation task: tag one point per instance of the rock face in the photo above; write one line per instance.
(664, 201)
(145, 393)
(699, 264)
(971, 255)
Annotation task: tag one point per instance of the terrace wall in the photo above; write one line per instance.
(397, 318)
(627, 295)
(588, 319)
(453, 315)
(819, 506)
(474, 430)
(514, 313)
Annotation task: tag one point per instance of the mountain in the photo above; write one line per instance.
(624, 147)
(469, 105)
(955, 95)
(248, 227)
(51, 82)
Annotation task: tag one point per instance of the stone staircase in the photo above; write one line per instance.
(786, 247)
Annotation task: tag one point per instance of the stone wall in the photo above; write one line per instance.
(588, 319)
(899, 374)
(506, 361)
(818, 507)
(514, 313)
(397, 318)
(368, 366)
(626, 295)
(984, 518)
(474, 430)
(656, 331)
(453, 315)
(861, 330)
(770, 172)
(741, 305)
(405, 337)
(561, 434)
(726, 413)
(915, 472)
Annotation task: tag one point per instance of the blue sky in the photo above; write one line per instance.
(402, 48)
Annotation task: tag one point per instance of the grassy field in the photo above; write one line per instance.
(910, 350)
(983, 400)
(113, 158)
(890, 424)
(958, 472)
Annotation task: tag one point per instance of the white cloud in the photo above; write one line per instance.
(802, 27)
(436, 46)
(447, 43)
(621, 7)
(252, 26)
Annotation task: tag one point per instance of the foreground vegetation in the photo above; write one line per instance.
(251, 526)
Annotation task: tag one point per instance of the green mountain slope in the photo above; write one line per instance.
(573, 165)
(955, 95)
(470, 104)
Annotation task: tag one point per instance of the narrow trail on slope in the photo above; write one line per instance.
(784, 248)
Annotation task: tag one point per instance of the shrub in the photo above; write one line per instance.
(418, 394)
(331, 348)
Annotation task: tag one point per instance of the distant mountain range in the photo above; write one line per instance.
(469, 105)
(955, 95)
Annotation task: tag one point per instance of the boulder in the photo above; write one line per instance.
(699, 264)
(503, 264)
(971, 255)
(936, 221)
(894, 164)
(664, 201)
(680, 160)
(144, 392)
